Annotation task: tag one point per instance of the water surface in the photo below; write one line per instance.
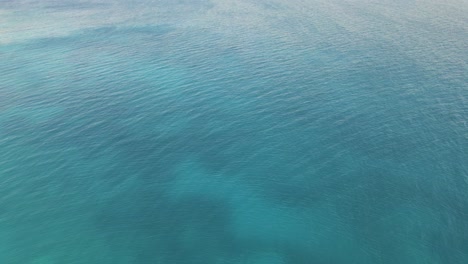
(257, 132)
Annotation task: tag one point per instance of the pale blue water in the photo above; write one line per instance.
(259, 132)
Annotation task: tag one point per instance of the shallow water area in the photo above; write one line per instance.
(224, 132)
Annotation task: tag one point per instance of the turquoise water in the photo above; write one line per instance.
(255, 132)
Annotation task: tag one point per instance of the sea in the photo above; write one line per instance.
(233, 132)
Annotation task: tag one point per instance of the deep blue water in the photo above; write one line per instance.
(215, 132)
